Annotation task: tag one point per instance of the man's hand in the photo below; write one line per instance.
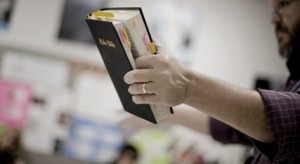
(166, 81)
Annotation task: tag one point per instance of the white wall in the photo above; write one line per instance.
(36, 20)
(34, 27)
(235, 40)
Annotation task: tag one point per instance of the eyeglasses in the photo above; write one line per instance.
(281, 4)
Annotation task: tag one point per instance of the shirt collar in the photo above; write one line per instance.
(293, 63)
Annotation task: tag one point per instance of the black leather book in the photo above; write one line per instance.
(117, 59)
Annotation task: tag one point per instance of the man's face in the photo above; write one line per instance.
(286, 19)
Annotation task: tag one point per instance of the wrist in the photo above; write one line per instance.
(189, 76)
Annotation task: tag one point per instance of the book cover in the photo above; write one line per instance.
(117, 63)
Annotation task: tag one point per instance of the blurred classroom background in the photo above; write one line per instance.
(58, 104)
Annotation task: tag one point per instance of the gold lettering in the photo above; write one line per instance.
(102, 42)
(111, 44)
(107, 43)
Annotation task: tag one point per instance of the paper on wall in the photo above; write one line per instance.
(34, 69)
(96, 97)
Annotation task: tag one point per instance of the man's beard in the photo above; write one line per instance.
(287, 49)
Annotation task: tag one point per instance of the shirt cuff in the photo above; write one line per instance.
(282, 110)
(226, 134)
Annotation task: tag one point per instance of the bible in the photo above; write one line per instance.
(122, 35)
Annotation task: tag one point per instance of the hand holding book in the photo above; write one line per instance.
(122, 35)
(164, 79)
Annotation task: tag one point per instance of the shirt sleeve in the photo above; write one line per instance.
(226, 134)
(283, 114)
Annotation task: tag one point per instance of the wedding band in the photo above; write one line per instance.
(144, 88)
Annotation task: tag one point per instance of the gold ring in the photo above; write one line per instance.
(144, 88)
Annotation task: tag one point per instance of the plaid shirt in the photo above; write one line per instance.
(283, 113)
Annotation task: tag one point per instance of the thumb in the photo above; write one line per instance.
(157, 42)
(159, 46)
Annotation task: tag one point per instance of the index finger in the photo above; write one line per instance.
(138, 76)
(145, 62)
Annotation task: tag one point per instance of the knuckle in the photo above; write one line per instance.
(160, 58)
(164, 76)
(138, 61)
(151, 88)
(155, 58)
(163, 62)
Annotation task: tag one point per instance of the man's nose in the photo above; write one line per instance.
(275, 18)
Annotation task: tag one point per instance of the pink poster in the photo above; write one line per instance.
(15, 99)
